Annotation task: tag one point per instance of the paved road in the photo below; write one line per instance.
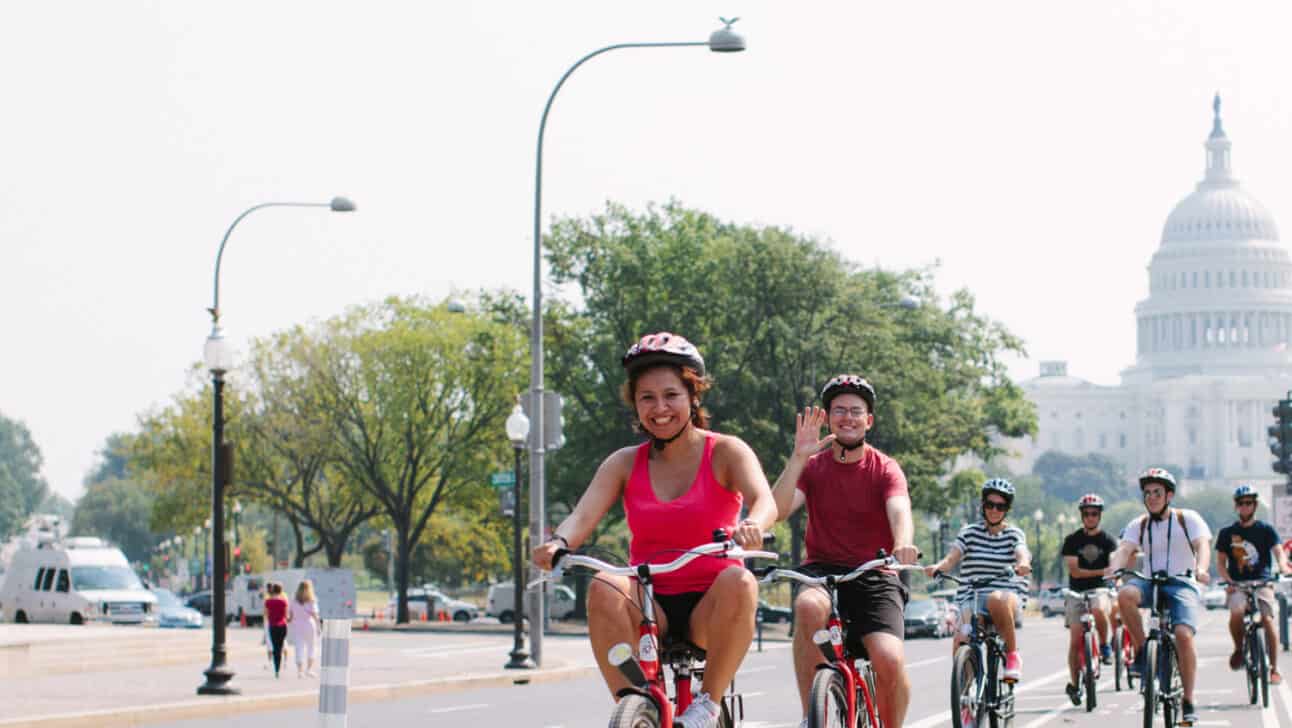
(770, 701)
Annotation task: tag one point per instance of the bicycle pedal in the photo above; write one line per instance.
(1009, 680)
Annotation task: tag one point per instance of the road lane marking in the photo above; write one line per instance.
(1064, 707)
(945, 716)
(1286, 694)
(930, 661)
(763, 668)
(456, 708)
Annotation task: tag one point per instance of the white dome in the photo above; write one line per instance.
(1219, 212)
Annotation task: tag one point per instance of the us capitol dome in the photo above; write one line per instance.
(1212, 347)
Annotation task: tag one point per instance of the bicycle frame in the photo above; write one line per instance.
(831, 639)
(644, 671)
(988, 648)
(1161, 630)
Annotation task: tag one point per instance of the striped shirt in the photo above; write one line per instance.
(985, 554)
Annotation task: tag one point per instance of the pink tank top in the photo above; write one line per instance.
(661, 531)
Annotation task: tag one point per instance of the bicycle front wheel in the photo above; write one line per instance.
(1171, 688)
(1092, 660)
(1149, 683)
(635, 711)
(1119, 662)
(966, 689)
(1001, 701)
(828, 701)
(1262, 663)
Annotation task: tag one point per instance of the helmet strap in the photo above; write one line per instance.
(659, 443)
(844, 449)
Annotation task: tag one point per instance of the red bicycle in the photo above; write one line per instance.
(646, 704)
(843, 690)
(1123, 658)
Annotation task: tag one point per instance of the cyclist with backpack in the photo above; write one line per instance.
(1243, 553)
(985, 549)
(1175, 541)
(1086, 553)
(857, 503)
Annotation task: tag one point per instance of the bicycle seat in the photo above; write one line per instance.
(672, 653)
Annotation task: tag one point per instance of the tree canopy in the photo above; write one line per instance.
(22, 487)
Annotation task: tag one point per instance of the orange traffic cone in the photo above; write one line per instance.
(425, 615)
(443, 616)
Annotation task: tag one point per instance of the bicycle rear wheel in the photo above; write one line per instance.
(828, 701)
(1091, 655)
(966, 689)
(635, 711)
(1149, 683)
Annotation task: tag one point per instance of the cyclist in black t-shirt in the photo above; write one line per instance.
(1086, 552)
(1243, 553)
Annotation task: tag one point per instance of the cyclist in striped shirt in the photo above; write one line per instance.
(987, 549)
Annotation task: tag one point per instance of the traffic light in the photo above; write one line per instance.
(1281, 438)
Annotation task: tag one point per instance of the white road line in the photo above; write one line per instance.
(945, 716)
(474, 706)
(1211, 722)
(754, 694)
(930, 661)
(1063, 707)
(1270, 716)
(761, 668)
(1286, 693)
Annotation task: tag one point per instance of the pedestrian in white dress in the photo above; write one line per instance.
(303, 627)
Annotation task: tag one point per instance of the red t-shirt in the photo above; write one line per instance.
(847, 518)
(276, 612)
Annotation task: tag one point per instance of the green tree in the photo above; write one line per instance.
(1068, 477)
(119, 511)
(22, 487)
(421, 395)
(774, 314)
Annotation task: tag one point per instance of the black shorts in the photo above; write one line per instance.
(875, 602)
(677, 611)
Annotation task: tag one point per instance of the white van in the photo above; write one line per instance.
(75, 581)
(501, 602)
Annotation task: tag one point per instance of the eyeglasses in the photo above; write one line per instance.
(1091, 514)
(845, 411)
(1245, 502)
(992, 505)
(1154, 492)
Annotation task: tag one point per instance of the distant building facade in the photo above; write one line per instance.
(1213, 349)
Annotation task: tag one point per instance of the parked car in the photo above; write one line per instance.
(501, 601)
(171, 612)
(1215, 597)
(201, 601)
(926, 617)
(458, 610)
(771, 614)
(1051, 601)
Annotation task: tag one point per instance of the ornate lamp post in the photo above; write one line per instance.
(218, 356)
(518, 433)
(1038, 564)
(723, 40)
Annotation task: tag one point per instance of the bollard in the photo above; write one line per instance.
(758, 621)
(334, 673)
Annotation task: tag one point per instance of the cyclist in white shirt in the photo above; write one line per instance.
(1178, 542)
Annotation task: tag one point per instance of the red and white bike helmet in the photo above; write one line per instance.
(663, 348)
(1091, 500)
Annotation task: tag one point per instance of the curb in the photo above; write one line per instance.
(239, 705)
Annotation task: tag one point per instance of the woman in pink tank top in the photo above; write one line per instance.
(677, 487)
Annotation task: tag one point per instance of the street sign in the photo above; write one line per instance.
(507, 501)
(505, 479)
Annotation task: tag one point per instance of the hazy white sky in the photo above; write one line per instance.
(1034, 150)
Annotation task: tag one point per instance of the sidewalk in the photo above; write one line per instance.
(111, 676)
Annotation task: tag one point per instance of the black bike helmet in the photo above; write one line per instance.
(663, 348)
(848, 384)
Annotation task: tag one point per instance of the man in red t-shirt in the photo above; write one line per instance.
(857, 504)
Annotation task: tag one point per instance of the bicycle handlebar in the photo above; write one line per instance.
(1158, 577)
(883, 562)
(727, 549)
(981, 582)
(1089, 593)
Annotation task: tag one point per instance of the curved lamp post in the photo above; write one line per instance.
(722, 40)
(219, 359)
(518, 433)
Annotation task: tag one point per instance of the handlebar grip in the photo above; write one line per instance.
(769, 539)
(560, 554)
(762, 571)
(720, 535)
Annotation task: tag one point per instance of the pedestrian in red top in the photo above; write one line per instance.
(857, 504)
(676, 488)
(276, 617)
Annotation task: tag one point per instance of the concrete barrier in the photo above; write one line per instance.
(334, 673)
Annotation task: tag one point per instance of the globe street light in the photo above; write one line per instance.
(518, 433)
(722, 40)
(218, 356)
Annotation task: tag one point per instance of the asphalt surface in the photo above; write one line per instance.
(766, 682)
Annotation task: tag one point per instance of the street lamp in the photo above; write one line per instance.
(237, 544)
(218, 356)
(518, 432)
(1037, 564)
(722, 40)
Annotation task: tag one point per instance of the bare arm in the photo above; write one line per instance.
(1203, 546)
(1122, 556)
(900, 523)
(1222, 566)
(948, 562)
(606, 487)
(807, 428)
(1281, 558)
(1022, 560)
(739, 467)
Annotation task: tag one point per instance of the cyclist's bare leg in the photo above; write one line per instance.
(811, 612)
(1271, 642)
(612, 619)
(1128, 600)
(1001, 606)
(1236, 614)
(1187, 653)
(723, 625)
(888, 657)
(1076, 635)
(1102, 627)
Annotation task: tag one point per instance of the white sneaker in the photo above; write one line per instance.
(701, 713)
